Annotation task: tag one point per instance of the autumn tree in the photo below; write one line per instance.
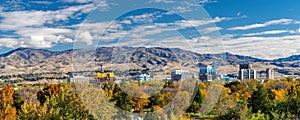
(48, 91)
(56, 102)
(7, 110)
(225, 103)
(97, 103)
(153, 115)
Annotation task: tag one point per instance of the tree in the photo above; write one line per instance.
(256, 116)
(122, 99)
(225, 102)
(260, 100)
(196, 104)
(153, 115)
(18, 101)
(48, 91)
(251, 84)
(7, 110)
(178, 106)
(98, 104)
(169, 84)
(63, 104)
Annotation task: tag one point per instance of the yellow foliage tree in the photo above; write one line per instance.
(279, 94)
(7, 111)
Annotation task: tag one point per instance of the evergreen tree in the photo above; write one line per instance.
(196, 104)
(260, 100)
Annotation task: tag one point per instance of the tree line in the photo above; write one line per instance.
(274, 99)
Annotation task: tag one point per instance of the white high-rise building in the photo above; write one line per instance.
(270, 73)
(246, 72)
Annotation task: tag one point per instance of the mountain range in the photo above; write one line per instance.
(27, 60)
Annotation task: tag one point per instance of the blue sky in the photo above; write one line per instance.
(260, 28)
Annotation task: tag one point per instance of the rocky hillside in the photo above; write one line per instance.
(26, 60)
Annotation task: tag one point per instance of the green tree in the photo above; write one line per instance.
(153, 115)
(196, 104)
(256, 116)
(18, 101)
(260, 100)
(122, 99)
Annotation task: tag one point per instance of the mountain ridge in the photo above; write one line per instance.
(68, 50)
(21, 60)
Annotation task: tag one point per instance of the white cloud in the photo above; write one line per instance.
(114, 30)
(18, 19)
(34, 41)
(85, 37)
(78, 1)
(182, 24)
(13, 4)
(268, 23)
(186, 6)
(194, 23)
(126, 21)
(239, 14)
(182, 9)
(145, 18)
(211, 29)
(162, 1)
(41, 2)
(31, 29)
(9, 42)
(206, 1)
(43, 31)
(267, 32)
(264, 47)
(260, 47)
(171, 1)
(102, 4)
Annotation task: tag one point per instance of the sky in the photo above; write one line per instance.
(267, 29)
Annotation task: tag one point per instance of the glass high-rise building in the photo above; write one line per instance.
(246, 72)
(207, 72)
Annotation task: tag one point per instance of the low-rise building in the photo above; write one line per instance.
(142, 77)
(79, 79)
(180, 75)
(229, 77)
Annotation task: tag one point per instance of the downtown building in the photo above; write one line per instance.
(246, 72)
(180, 75)
(142, 77)
(270, 73)
(207, 72)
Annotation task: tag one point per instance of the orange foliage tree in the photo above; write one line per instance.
(7, 111)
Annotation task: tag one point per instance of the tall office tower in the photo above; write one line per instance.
(246, 72)
(245, 66)
(270, 73)
(207, 72)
